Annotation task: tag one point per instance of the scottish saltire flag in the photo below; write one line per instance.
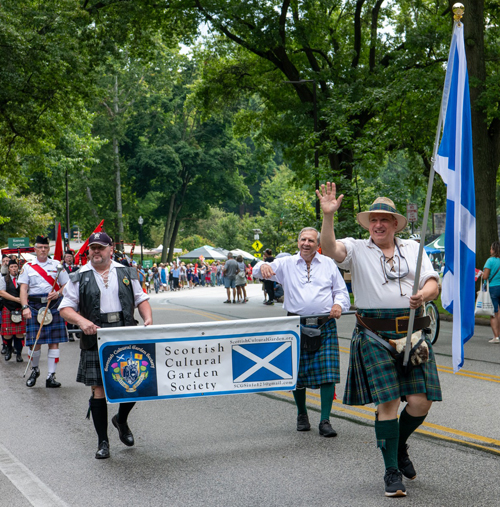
(454, 164)
(262, 362)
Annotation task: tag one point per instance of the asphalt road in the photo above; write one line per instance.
(243, 450)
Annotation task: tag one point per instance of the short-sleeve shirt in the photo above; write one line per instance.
(230, 268)
(109, 294)
(371, 287)
(493, 264)
(36, 283)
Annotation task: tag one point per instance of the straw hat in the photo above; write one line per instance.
(381, 205)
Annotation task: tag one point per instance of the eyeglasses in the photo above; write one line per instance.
(390, 274)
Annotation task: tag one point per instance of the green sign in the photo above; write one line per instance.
(19, 242)
(147, 263)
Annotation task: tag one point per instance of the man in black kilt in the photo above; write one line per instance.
(383, 274)
(119, 292)
(13, 324)
(312, 286)
(37, 290)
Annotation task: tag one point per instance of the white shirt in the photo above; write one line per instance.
(37, 284)
(109, 295)
(3, 283)
(371, 287)
(313, 295)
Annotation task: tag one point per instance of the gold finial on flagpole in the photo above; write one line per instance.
(458, 10)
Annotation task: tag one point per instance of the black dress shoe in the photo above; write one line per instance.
(123, 431)
(326, 430)
(35, 373)
(102, 451)
(19, 358)
(8, 354)
(52, 382)
(4, 349)
(71, 337)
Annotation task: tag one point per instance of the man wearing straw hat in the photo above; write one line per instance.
(383, 273)
(41, 283)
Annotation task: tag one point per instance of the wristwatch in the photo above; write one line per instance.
(24, 307)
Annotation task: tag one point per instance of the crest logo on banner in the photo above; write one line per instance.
(260, 362)
(128, 368)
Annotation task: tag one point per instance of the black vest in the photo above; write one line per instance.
(13, 291)
(90, 299)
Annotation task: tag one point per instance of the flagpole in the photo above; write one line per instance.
(458, 10)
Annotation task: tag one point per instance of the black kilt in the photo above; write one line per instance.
(89, 367)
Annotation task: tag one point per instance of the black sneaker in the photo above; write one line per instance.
(394, 483)
(269, 303)
(326, 430)
(35, 373)
(404, 463)
(303, 422)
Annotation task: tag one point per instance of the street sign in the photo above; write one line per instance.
(19, 242)
(257, 255)
(148, 263)
(412, 212)
(257, 245)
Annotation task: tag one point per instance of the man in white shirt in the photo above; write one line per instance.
(313, 286)
(37, 288)
(119, 292)
(383, 274)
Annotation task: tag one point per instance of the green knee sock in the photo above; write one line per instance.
(300, 400)
(407, 425)
(327, 393)
(387, 433)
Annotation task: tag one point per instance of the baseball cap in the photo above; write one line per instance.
(100, 238)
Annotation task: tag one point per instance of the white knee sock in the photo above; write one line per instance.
(52, 360)
(35, 357)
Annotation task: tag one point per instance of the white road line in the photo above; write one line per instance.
(32, 488)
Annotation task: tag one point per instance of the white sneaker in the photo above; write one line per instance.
(494, 340)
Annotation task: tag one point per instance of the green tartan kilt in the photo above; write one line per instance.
(322, 366)
(372, 376)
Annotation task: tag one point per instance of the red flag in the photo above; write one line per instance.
(58, 252)
(85, 246)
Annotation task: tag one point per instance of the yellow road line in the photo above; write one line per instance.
(314, 399)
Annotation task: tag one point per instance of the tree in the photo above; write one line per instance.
(481, 45)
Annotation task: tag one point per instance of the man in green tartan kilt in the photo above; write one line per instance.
(383, 274)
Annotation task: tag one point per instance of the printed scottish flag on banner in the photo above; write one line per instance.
(259, 362)
(454, 164)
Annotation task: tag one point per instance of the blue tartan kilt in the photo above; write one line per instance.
(372, 376)
(322, 366)
(55, 332)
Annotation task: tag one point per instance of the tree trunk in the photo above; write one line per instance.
(485, 137)
(172, 240)
(116, 159)
(167, 233)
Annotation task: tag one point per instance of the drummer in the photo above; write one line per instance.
(40, 284)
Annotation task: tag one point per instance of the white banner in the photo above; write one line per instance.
(209, 358)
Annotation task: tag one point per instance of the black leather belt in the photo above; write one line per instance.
(43, 300)
(310, 321)
(111, 317)
(399, 324)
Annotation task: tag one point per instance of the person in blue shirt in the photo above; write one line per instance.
(491, 272)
